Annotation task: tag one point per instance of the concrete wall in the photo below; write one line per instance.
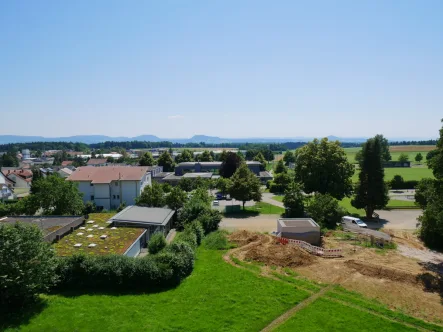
(310, 237)
(135, 248)
(86, 189)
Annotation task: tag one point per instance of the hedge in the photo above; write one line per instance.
(113, 272)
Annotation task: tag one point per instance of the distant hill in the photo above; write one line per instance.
(92, 139)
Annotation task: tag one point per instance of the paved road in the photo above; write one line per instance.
(394, 219)
(267, 198)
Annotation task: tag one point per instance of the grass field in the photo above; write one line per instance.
(265, 208)
(410, 173)
(221, 297)
(346, 203)
(216, 297)
(325, 315)
(410, 150)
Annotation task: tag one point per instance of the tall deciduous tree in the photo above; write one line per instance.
(147, 159)
(245, 185)
(166, 161)
(205, 156)
(280, 168)
(176, 198)
(55, 196)
(289, 157)
(385, 154)
(223, 185)
(322, 167)
(294, 201)
(230, 164)
(325, 210)
(371, 191)
(185, 156)
(152, 196)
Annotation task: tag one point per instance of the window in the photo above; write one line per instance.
(113, 196)
(116, 184)
(92, 197)
(91, 184)
(118, 196)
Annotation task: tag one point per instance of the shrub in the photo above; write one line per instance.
(156, 243)
(89, 207)
(325, 210)
(216, 240)
(121, 207)
(27, 265)
(210, 220)
(197, 228)
(188, 236)
(399, 183)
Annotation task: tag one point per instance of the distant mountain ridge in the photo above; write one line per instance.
(92, 139)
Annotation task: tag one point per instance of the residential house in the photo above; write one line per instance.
(67, 163)
(21, 178)
(109, 186)
(65, 172)
(97, 162)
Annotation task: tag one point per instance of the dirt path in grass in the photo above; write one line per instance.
(288, 314)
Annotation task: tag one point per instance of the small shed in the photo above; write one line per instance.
(152, 219)
(304, 229)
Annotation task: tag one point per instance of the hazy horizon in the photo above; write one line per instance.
(228, 69)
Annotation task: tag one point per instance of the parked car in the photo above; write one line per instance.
(216, 203)
(355, 221)
(219, 196)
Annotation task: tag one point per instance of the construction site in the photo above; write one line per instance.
(392, 273)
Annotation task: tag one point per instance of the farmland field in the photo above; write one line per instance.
(410, 150)
(408, 173)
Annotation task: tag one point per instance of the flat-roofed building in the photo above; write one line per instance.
(304, 229)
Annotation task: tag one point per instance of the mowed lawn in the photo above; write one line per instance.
(216, 297)
(409, 173)
(265, 208)
(393, 203)
(325, 315)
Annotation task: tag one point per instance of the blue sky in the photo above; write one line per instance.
(221, 68)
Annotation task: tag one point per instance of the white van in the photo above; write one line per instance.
(355, 221)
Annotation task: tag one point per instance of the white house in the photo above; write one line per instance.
(109, 186)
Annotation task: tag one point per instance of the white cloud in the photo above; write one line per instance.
(175, 117)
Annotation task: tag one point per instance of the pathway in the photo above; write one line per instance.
(267, 198)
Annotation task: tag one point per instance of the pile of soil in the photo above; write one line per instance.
(242, 238)
(382, 272)
(279, 255)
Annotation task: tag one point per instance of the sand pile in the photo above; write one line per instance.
(279, 255)
(242, 238)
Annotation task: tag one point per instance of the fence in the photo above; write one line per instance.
(312, 249)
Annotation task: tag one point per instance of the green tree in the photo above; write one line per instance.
(166, 187)
(110, 160)
(223, 156)
(230, 164)
(9, 159)
(259, 157)
(325, 210)
(38, 154)
(289, 157)
(403, 157)
(322, 167)
(186, 184)
(185, 156)
(429, 196)
(280, 168)
(245, 185)
(147, 159)
(55, 196)
(280, 183)
(176, 199)
(166, 161)
(371, 190)
(418, 157)
(223, 185)
(205, 156)
(385, 154)
(27, 265)
(294, 201)
(152, 196)
(431, 155)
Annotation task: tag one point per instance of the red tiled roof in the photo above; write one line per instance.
(67, 163)
(107, 174)
(24, 174)
(96, 161)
